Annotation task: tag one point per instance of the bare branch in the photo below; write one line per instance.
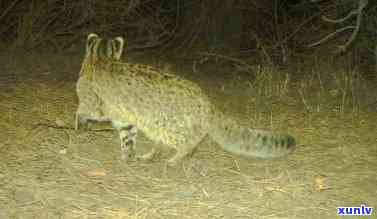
(8, 9)
(362, 4)
(359, 12)
(341, 20)
(331, 35)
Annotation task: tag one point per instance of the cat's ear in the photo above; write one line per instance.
(118, 47)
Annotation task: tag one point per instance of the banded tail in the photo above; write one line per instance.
(244, 141)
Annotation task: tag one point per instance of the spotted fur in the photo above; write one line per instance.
(168, 109)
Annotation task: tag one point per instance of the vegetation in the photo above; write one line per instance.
(307, 67)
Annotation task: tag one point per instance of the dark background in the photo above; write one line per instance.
(258, 61)
(277, 31)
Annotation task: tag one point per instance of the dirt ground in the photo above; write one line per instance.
(49, 170)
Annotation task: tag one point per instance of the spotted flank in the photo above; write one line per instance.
(169, 110)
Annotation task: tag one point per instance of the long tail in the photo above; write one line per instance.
(244, 141)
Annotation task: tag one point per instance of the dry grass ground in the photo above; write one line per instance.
(50, 171)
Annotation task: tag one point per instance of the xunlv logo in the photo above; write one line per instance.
(363, 210)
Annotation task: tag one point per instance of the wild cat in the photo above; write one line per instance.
(168, 109)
